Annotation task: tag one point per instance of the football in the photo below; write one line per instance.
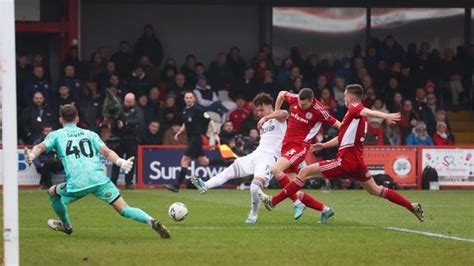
(178, 211)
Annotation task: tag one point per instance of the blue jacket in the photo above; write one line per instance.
(414, 140)
(37, 84)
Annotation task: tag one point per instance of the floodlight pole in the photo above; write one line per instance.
(9, 136)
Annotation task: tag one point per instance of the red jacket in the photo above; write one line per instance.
(439, 141)
(237, 117)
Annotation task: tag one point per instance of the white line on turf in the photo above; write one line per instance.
(430, 234)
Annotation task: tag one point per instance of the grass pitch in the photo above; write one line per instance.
(214, 233)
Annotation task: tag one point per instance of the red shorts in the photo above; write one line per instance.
(295, 153)
(343, 168)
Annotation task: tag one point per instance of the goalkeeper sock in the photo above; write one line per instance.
(60, 209)
(137, 215)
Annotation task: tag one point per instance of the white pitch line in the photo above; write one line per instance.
(430, 234)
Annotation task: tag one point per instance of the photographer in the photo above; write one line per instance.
(127, 126)
(47, 163)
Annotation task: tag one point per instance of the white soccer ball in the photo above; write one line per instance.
(178, 211)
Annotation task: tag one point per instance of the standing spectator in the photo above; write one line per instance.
(73, 59)
(151, 70)
(139, 83)
(112, 108)
(38, 82)
(235, 62)
(227, 132)
(71, 81)
(96, 66)
(123, 59)
(127, 127)
(220, 74)
(152, 134)
(148, 44)
(283, 74)
(338, 90)
(371, 60)
(375, 134)
(199, 70)
(38, 60)
(246, 86)
(115, 83)
(382, 74)
(407, 82)
(344, 70)
(188, 70)
(295, 55)
(48, 162)
(34, 115)
(391, 50)
(311, 69)
(419, 136)
(238, 115)
(428, 113)
(409, 119)
(294, 74)
(455, 88)
(104, 77)
(442, 136)
(23, 74)
(207, 98)
(450, 64)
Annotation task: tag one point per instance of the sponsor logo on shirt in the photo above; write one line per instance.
(295, 116)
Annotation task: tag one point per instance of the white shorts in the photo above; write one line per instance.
(257, 164)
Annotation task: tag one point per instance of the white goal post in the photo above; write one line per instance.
(9, 133)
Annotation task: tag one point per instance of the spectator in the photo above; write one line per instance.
(450, 64)
(199, 70)
(115, 82)
(321, 84)
(48, 162)
(268, 85)
(344, 70)
(227, 132)
(73, 59)
(420, 100)
(406, 82)
(38, 60)
(178, 88)
(391, 50)
(113, 108)
(238, 115)
(71, 81)
(369, 98)
(167, 79)
(104, 77)
(246, 86)
(207, 98)
(391, 91)
(123, 59)
(422, 61)
(296, 86)
(311, 69)
(188, 70)
(152, 110)
(127, 127)
(90, 104)
(371, 60)
(168, 138)
(375, 133)
(428, 113)
(395, 104)
(393, 135)
(249, 123)
(152, 134)
(295, 55)
(151, 70)
(139, 83)
(171, 114)
(104, 53)
(419, 136)
(440, 116)
(381, 76)
(148, 44)
(260, 70)
(65, 97)
(442, 137)
(284, 73)
(327, 100)
(38, 82)
(455, 88)
(409, 119)
(34, 115)
(96, 66)
(235, 62)
(338, 90)
(251, 141)
(220, 74)
(23, 74)
(379, 106)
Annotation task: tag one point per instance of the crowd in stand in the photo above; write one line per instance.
(135, 93)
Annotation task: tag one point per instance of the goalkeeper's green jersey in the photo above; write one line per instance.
(79, 152)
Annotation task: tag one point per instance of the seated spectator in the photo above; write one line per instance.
(395, 104)
(420, 100)
(409, 119)
(167, 79)
(268, 85)
(393, 135)
(249, 123)
(72, 58)
(381, 76)
(219, 73)
(188, 70)
(251, 141)
(177, 90)
(227, 132)
(48, 162)
(71, 81)
(419, 136)
(64, 98)
(260, 69)
(391, 90)
(338, 90)
(150, 45)
(375, 134)
(123, 59)
(152, 134)
(207, 98)
(169, 136)
(440, 116)
(322, 83)
(139, 83)
(151, 70)
(296, 86)
(311, 69)
(34, 116)
(344, 70)
(236, 63)
(152, 110)
(246, 86)
(113, 107)
(90, 105)
(115, 83)
(442, 137)
(294, 75)
(327, 100)
(38, 82)
(171, 113)
(369, 98)
(143, 102)
(379, 106)
(428, 113)
(238, 115)
(391, 50)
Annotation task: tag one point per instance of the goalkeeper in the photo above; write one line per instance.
(79, 151)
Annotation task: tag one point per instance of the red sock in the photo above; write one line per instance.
(284, 181)
(396, 198)
(310, 202)
(287, 191)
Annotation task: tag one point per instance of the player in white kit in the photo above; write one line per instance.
(260, 162)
